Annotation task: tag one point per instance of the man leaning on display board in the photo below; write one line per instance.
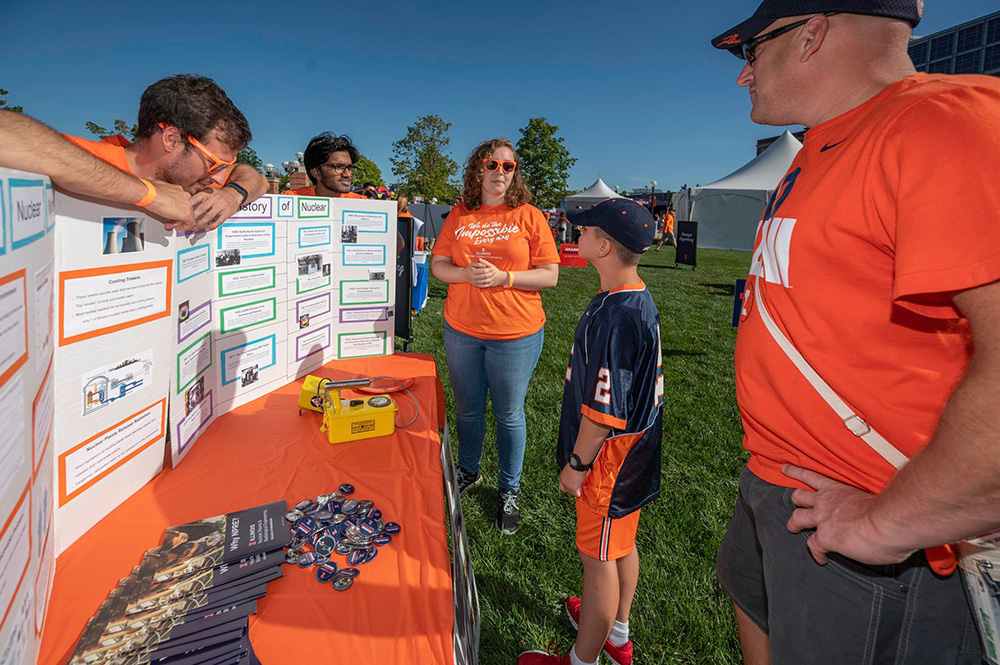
(189, 134)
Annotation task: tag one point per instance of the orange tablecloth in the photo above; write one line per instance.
(400, 609)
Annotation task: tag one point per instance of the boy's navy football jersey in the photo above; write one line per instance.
(615, 377)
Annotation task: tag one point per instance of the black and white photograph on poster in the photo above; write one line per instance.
(303, 321)
(183, 311)
(227, 257)
(326, 270)
(376, 275)
(349, 234)
(309, 264)
(194, 395)
(124, 235)
(250, 375)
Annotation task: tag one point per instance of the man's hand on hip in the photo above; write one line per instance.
(842, 518)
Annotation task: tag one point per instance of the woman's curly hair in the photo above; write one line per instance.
(518, 192)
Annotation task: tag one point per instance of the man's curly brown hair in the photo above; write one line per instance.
(518, 192)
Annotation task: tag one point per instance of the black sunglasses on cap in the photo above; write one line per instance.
(747, 50)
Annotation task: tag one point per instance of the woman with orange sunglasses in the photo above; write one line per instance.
(496, 253)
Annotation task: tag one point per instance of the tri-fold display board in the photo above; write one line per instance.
(116, 335)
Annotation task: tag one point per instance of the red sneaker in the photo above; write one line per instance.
(619, 655)
(543, 658)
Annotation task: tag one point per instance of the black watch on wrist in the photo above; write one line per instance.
(577, 464)
(239, 188)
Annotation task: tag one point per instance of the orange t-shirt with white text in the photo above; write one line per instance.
(512, 239)
(886, 212)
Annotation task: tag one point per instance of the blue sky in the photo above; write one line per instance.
(636, 90)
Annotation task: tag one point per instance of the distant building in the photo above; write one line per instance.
(969, 48)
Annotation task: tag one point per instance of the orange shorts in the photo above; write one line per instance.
(602, 537)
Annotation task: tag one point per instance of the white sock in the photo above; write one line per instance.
(575, 660)
(619, 634)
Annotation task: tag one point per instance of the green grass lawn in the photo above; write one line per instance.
(680, 615)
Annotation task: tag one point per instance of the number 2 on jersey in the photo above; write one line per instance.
(603, 392)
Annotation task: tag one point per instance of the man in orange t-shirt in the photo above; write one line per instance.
(329, 161)
(850, 264)
(668, 229)
(28, 145)
(189, 133)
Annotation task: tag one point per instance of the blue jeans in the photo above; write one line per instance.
(504, 366)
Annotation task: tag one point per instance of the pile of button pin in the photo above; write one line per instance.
(333, 524)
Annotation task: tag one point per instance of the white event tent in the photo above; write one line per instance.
(728, 210)
(593, 194)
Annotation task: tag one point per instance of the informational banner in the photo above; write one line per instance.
(687, 244)
(27, 408)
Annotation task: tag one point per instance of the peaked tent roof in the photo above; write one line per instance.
(596, 191)
(765, 170)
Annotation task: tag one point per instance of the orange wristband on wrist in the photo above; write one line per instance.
(510, 284)
(150, 194)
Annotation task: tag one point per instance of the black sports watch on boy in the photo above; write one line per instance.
(577, 464)
(240, 190)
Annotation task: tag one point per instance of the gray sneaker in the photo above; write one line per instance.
(467, 479)
(509, 514)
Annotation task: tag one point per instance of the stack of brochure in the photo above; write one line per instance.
(189, 599)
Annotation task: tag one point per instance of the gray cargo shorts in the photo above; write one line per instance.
(843, 612)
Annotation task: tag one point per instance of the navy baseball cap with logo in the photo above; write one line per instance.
(772, 10)
(623, 219)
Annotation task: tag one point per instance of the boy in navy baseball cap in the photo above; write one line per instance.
(610, 430)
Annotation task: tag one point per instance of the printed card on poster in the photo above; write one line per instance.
(312, 341)
(259, 209)
(358, 345)
(41, 508)
(12, 431)
(237, 361)
(363, 255)
(42, 414)
(195, 418)
(103, 386)
(43, 587)
(313, 272)
(249, 280)
(193, 262)
(44, 328)
(19, 642)
(85, 464)
(314, 236)
(252, 239)
(13, 324)
(313, 307)
(27, 211)
(248, 315)
(310, 208)
(193, 361)
(98, 301)
(367, 222)
(15, 553)
(364, 292)
(364, 314)
(286, 206)
(190, 321)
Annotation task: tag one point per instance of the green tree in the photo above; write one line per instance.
(3, 103)
(367, 171)
(249, 156)
(544, 162)
(119, 127)
(420, 162)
